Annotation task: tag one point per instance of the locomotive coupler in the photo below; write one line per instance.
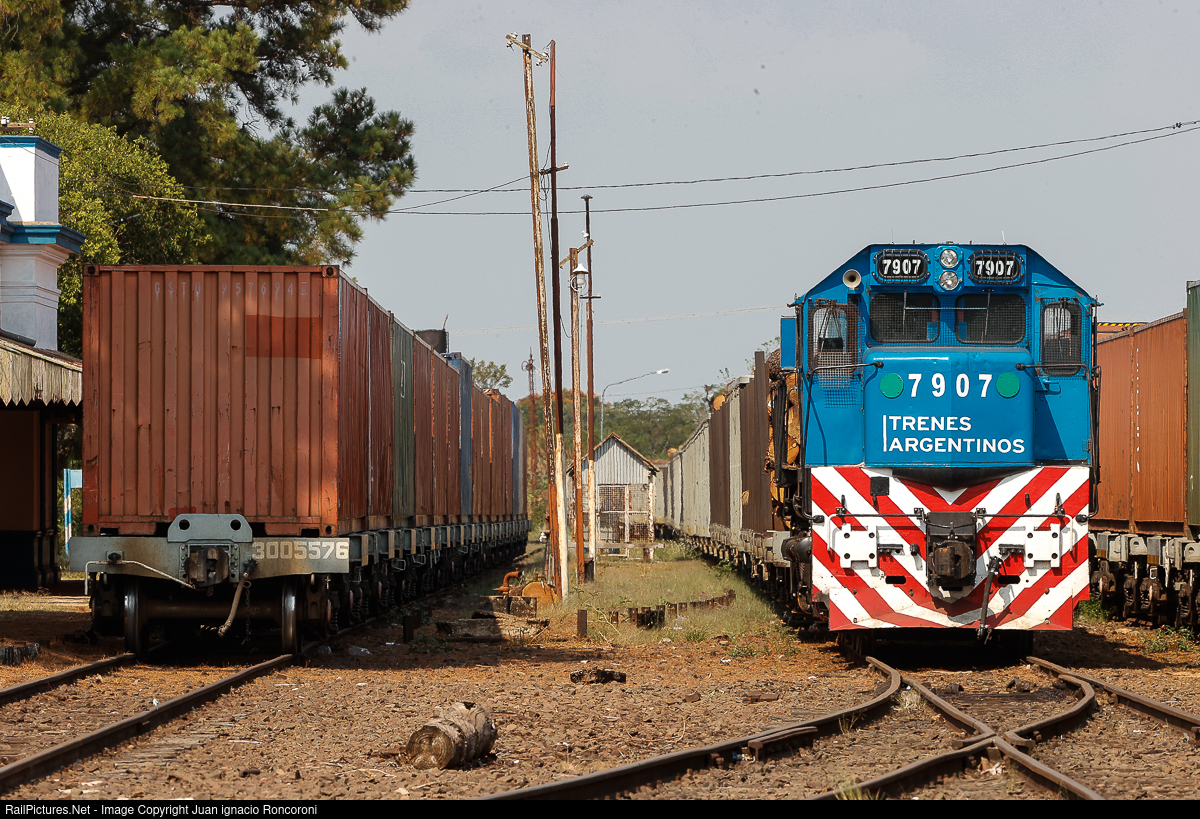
(950, 549)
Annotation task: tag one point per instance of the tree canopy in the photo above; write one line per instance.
(120, 229)
(205, 82)
(488, 375)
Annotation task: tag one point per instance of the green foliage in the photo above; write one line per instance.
(1090, 611)
(655, 425)
(204, 83)
(1170, 639)
(120, 229)
(488, 375)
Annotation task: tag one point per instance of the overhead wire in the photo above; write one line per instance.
(723, 203)
(783, 174)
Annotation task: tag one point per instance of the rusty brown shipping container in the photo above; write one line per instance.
(260, 391)
(1143, 429)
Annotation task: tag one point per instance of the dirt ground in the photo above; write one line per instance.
(338, 728)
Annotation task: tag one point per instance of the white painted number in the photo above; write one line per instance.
(300, 549)
(962, 384)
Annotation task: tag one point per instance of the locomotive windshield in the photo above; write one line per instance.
(904, 318)
(990, 318)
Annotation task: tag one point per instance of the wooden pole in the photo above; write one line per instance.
(554, 479)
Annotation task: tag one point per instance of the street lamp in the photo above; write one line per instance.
(626, 381)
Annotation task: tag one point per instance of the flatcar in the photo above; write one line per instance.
(920, 457)
(269, 446)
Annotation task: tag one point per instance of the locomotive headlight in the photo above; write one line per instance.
(948, 280)
(949, 258)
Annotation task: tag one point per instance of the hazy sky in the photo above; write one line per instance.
(672, 91)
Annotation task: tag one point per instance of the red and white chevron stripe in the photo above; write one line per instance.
(864, 567)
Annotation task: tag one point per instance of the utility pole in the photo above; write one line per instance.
(556, 554)
(576, 284)
(591, 386)
(558, 369)
(531, 460)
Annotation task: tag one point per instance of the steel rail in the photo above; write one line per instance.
(1027, 736)
(25, 690)
(954, 763)
(656, 770)
(59, 756)
(1188, 723)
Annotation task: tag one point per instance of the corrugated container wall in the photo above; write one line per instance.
(404, 498)
(1193, 407)
(734, 461)
(697, 476)
(423, 416)
(216, 391)
(1143, 429)
(466, 382)
(717, 459)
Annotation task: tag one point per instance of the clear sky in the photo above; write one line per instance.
(657, 90)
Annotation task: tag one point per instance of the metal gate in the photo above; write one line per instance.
(624, 513)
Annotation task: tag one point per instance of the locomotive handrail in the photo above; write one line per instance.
(876, 364)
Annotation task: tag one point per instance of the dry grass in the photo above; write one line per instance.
(676, 576)
(39, 601)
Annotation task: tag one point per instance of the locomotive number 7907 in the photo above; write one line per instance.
(962, 384)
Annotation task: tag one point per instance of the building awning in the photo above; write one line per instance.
(29, 375)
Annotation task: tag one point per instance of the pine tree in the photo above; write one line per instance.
(204, 81)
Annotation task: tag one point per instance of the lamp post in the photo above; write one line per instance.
(615, 383)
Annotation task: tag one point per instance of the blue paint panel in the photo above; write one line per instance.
(787, 342)
(950, 411)
(1047, 420)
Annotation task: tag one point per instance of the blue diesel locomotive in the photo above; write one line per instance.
(940, 405)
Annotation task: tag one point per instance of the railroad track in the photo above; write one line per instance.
(994, 735)
(31, 753)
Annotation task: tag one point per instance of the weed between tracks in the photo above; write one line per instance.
(1170, 639)
(677, 575)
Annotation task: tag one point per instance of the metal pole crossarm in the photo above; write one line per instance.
(545, 171)
(514, 41)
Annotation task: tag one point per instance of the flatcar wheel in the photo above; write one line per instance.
(289, 618)
(137, 634)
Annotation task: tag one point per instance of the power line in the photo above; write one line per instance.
(833, 192)
(501, 188)
(414, 210)
(644, 320)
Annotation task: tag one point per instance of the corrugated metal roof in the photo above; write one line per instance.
(619, 463)
(28, 375)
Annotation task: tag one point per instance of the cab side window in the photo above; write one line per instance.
(1062, 338)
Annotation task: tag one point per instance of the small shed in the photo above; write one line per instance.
(625, 488)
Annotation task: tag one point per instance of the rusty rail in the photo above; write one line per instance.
(982, 743)
(656, 770)
(25, 690)
(52, 759)
(1189, 724)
